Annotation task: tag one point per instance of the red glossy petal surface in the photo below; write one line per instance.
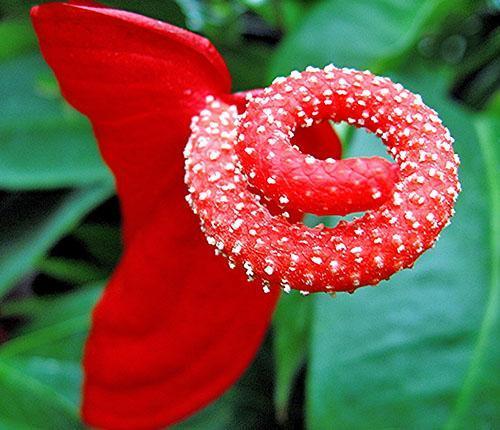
(160, 350)
(175, 327)
(127, 72)
(361, 252)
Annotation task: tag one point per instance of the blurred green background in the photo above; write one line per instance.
(420, 351)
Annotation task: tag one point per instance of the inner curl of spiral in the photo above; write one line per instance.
(228, 155)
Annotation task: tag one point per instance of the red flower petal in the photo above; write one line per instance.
(160, 350)
(131, 75)
(353, 254)
(174, 328)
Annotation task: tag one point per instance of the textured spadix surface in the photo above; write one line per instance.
(227, 152)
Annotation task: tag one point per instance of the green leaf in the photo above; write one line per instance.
(420, 350)
(41, 366)
(71, 271)
(485, 360)
(360, 34)
(42, 312)
(365, 144)
(32, 223)
(23, 392)
(43, 142)
(291, 325)
(102, 241)
(9, 425)
(19, 38)
(248, 71)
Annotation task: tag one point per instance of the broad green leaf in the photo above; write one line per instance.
(16, 37)
(20, 393)
(485, 360)
(43, 142)
(420, 350)
(360, 34)
(41, 366)
(365, 144)
(9, 425)
(291, 325)
(32, 223)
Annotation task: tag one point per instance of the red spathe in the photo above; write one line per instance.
(175, 327)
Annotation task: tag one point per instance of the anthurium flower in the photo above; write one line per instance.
(175, 327)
